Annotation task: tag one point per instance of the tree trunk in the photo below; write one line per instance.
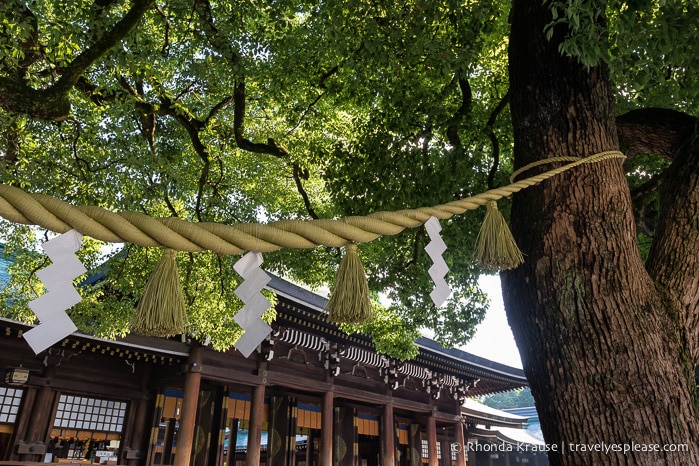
(602, 345)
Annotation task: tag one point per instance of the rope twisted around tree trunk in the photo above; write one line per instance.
(138, 228)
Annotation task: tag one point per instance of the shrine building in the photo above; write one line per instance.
(311, 395)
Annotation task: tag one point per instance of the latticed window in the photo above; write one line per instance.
(426, 450)
(10, 399)
(78, 412)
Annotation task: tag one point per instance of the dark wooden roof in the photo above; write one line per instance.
(299, 307)
(303, 310)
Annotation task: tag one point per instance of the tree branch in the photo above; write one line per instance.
(298, 174)
(463, 110)
(29, 46)
(223, 45)
(645, 212)
(215, 38)
(656, 131)
(193, 126)
(108, 40)
(271, 148)
(653, 130)
(673, 261)
(52, 103)
(493, 139)
(11, 136)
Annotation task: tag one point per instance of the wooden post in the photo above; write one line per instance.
(470, 457)
(168, 440)
(257, 405)
(445, 449)
(155, 428)
(42, 410)
(232, 440)
(507, 458)
(388, 437)
(23, 419)
(135, 427)
(432, 459)
(188, 415)
(460, 446)
(139, 430)
(281, 439)
(415, 444)
(326, 431)
(345, 450)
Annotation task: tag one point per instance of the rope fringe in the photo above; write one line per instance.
(496, 247)
(161, 311)
(350, 302)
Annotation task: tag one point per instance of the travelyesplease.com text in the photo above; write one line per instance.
(570, 447)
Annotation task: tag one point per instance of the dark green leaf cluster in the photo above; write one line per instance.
(255, 111)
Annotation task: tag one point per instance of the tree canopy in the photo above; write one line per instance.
(521, 398)
(254, 111)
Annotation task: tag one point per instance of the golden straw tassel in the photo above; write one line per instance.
(350, 301)
(496, 248)
(161, 311)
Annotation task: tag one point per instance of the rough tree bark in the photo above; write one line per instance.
(604, 342)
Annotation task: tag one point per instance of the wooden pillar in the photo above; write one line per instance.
(445, 449)
(136, 428)
(41, 413)
(232, 440)
(281, 443)
(23, 419)
(188, 415)
(388, 437)
(432, 459)
(217, 456)
(311, 457)
(155, 428)
(326, 431)
(460, 446)
(168, 440)
(257, 405)
(415, 444)
(470, 458)
(345, 449)
(205, 442)
(135, 446)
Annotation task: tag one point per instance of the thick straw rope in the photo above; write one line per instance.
(137, 228)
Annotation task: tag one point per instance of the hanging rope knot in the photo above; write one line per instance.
(496, 247)
(161, 310)
(350, 301)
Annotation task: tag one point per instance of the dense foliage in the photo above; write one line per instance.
(521, 398)
(256, 111)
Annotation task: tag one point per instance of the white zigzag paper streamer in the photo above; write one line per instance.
(249, 317)
(439, 269)
(61, 295)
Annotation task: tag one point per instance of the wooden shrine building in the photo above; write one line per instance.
(311, 395)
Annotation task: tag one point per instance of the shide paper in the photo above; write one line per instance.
(249, 317)
(439, 269)
(61, 295)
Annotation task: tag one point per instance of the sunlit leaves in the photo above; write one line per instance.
(364, 98)
(647, 44)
